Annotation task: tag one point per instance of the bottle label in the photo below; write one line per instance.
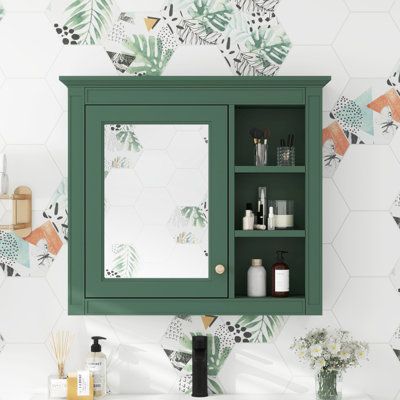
(282, 280)
(98, 369)
(83, 383)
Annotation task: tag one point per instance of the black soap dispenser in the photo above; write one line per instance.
(199, 366)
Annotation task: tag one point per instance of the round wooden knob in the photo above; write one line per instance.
(219, 269)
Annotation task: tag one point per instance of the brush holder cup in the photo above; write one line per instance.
(261, 154)
(286, 156)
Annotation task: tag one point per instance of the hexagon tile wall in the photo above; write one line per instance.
(354, 41)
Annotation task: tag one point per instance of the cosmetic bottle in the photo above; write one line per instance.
(3, 174)
(96, 363)
(256, 279)
(262, 201)
(271, 219)
(280, 276)
(260, 215)
(248, 219)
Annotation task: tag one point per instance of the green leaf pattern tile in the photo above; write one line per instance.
(83, 22)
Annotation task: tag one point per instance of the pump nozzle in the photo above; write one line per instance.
(96, 347)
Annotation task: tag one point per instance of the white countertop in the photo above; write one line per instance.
(215, 397)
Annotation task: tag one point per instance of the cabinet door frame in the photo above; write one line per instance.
(96, 285)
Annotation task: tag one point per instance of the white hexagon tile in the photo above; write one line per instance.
(368, 249)
(27, 58)
(320, 30)
(335, 276)
(36, 324)
(39, 118)
(368, 308)
(335, 210)
(367, 52)
(359, 177)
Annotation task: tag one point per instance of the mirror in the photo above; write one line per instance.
(155, 201)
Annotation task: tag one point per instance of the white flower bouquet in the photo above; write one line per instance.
(329, 352)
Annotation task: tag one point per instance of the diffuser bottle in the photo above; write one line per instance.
(280, 276)
(96, 363)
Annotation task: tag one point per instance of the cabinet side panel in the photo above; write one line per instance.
(76, 201)
(314, 201)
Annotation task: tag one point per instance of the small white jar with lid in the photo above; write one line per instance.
(256, 279)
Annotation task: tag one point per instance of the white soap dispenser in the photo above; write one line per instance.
(3, 174)
(256, 279)
(96, 363)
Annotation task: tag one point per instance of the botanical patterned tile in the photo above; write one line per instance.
(122, 261)
(365, 111)
(254, 43)
(14, 255)
(177, 344)
(334, 146)
(197, 23)
(387, 106)
(140, 44)
(395, 343)
(255, 328)
(80, 21)
(121, 139)
(188, 224)
(196, 60)
(1, 11)
(57, 210)
(46, 234)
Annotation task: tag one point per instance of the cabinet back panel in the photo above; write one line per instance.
(280, 121)
(248, 248)
(279, 187)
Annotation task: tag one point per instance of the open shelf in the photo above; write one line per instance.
(250, 169)
(270, 234)
(280, 120)
(265, 248)
(279, 187)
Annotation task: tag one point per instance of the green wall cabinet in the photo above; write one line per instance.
(139, 151)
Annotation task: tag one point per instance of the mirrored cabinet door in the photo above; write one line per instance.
(156, 201)
(156, 216)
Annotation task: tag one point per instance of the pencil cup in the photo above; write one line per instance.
(286, 156)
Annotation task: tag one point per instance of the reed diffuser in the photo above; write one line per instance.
(61, 342)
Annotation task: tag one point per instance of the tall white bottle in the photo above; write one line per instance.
(96, 363)
(256, 279)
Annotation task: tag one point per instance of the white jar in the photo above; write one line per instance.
(248, 221)
(256, 279)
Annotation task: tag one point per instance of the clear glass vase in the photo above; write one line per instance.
(328, 385)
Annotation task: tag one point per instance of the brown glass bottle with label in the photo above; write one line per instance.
(280, 276)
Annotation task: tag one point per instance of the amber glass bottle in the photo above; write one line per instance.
(280, 276)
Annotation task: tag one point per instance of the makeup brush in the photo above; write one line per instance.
(256, 134)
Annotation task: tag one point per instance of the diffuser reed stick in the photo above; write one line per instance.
(61, 345)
